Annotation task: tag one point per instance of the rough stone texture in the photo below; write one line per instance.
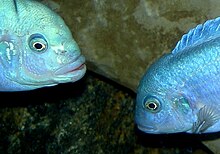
(92, 116)
(120, 38)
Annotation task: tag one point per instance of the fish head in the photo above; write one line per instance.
(44, 52)
(159, 107)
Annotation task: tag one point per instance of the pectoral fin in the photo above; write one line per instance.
(206, 117)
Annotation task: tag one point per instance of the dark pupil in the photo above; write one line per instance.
(38, 46)
(152, 106)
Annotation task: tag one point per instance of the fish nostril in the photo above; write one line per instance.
(63, 51)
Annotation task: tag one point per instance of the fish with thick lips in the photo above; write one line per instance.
(36, 47)
(180, 91)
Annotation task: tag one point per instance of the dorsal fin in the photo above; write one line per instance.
(199, 34)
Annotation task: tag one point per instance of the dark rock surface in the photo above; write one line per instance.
(93, 115)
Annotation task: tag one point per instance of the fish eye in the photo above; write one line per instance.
(38, 43)
(152, 105)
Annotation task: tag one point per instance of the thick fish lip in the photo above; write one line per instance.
(75, 65)
(148, 129)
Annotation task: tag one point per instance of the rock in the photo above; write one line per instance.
(90, 116)
(213, 145)
(120, 39)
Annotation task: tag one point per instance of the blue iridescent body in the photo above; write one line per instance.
(36, 47)
(180, 92)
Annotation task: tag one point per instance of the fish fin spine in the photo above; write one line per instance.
(206, 117)
(202, 32)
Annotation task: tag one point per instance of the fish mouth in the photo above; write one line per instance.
(148, 129)
(76, 65)
(72, 71)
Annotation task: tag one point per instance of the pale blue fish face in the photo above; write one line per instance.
(159, 108)
(40, 50)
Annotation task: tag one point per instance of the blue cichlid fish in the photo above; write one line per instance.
(180, 92)
(36, 47)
